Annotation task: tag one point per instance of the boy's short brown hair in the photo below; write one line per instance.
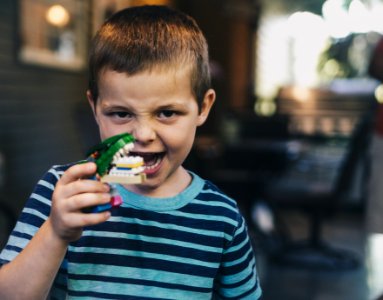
(140, 38)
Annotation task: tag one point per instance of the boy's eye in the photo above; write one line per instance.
(167, 114)
(120, 114)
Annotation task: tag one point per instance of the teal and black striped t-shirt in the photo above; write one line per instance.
(191, 246)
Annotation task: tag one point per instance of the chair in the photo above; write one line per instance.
(242, 161)
(319, 202)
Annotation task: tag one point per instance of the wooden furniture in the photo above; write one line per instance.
(303, 158)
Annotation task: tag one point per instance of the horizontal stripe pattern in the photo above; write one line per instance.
(183, 253)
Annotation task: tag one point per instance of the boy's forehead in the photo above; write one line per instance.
(159, 80)
(172, 71)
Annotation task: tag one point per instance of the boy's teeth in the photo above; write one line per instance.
(153, 164)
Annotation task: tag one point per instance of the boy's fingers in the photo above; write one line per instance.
(86, 186)
(90, 219)
(76, 221)
(78, 171)
(85, 200)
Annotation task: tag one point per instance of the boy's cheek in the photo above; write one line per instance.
(106, 130)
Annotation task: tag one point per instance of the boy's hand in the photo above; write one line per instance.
(71, 195)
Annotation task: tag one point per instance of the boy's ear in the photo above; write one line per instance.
(206, 105)
(92, 103)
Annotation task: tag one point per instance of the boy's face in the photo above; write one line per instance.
(160, 111)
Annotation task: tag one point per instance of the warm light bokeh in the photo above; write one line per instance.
(290, 46)
(57, 15)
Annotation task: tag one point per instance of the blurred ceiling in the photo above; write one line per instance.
(314, 6)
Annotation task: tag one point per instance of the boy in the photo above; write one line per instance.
(176, 236)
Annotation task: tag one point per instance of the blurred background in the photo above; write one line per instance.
(295, 135)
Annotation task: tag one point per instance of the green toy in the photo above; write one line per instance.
(114, 165)
(104, 152)
(103, 155)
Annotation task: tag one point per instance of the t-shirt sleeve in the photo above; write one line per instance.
(33, 215)
(238, 277)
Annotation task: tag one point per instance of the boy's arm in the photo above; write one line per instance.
(238, 275)
(31, 274)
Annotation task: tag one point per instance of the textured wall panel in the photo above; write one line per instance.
(38, 106)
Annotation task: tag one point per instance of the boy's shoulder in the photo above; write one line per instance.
(55, 172)
(63, 167)
(211, 192)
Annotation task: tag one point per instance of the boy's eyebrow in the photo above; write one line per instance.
(170, 106)
(114, 107)
(108, 107)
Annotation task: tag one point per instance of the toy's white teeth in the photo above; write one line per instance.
(128, 147)
(130, 160)
(123, 152)
(127, 160)
(116, 172)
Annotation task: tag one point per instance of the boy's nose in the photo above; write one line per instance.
(143, 133)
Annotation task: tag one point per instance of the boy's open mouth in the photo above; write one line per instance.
(151, 160)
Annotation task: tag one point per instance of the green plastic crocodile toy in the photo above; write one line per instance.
(114, 165)
(104, 154)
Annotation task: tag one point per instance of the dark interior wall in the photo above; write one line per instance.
(210, 18)
(37, 109)
(38, 105)
(215, 26)
(229, 27)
